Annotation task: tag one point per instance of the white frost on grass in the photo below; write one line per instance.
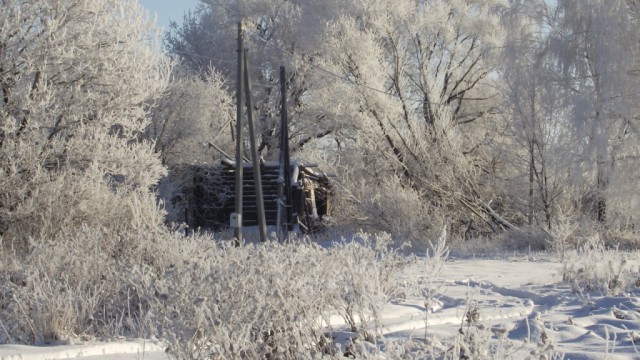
(522, 302)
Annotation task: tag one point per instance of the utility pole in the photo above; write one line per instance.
(262, 223)
(284, 179)
(236, 218)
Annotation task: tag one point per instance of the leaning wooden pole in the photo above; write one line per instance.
(236, 218)
(288, 192)
(262, 223)
(284, 177)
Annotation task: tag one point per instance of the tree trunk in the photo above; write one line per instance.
(602, 182)
(531, 186)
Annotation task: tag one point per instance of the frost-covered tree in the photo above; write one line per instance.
(191, 125)
(535, 144)
(76, 81)
(417, 88)
(595, 46)
(276, 33)
(193, 118)
(571, 84)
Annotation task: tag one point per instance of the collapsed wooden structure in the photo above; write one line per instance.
(210, 200)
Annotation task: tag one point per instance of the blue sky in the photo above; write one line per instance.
(168, 10)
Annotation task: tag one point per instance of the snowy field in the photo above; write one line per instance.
(524, 301)
(521, 301)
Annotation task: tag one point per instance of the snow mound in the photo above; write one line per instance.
(152, 350)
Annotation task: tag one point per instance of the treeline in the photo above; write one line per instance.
(483, 116)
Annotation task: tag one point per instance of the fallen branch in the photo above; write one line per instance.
(497, 218)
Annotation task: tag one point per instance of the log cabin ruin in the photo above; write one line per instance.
(208, 195)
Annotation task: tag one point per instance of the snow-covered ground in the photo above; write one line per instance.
(125, 350)
(521, 300)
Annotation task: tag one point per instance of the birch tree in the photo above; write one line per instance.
(537, 148)
(76, 79)
(595, 46)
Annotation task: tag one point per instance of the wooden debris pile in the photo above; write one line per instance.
(210, 200)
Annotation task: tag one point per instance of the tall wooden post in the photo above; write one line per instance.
(262, 223)
(284, 186)
(236, 218)
(280, 231)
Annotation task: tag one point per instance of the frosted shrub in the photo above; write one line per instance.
(366, 280)
(474, 343)
(91, 284)
(525, 237)
(253, 301)
(286, 290)
(205, 299)
(433, 264)
(393, 208)
(562, 237)
(571, 233)
(488, 343)
(593, 267)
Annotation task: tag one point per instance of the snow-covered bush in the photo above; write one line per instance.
(366, 281)
(252, 301)
(91, 284)
(478, 341)
(525, 237)
(574, 233)
(76, 79)
(594, 267)
(204, 298)
(433, 264)
(570, 233)
(393, 208)
(286, 292)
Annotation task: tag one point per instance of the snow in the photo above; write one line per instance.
(521, 299)
(150, 350)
